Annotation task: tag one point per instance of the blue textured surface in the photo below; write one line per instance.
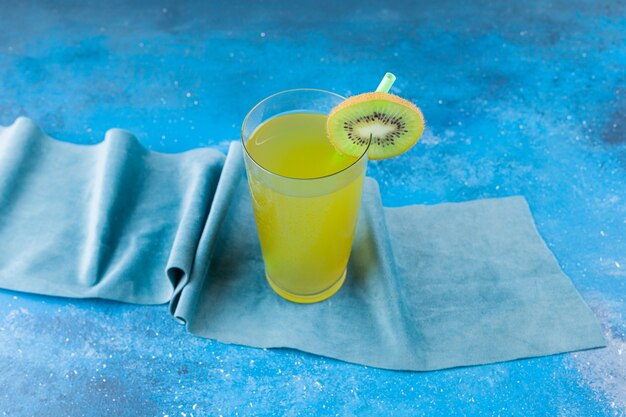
(520, 98)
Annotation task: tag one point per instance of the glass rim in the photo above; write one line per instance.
(243, 142)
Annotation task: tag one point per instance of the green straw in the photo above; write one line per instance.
(386, 83)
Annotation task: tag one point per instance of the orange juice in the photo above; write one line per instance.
(306, 200)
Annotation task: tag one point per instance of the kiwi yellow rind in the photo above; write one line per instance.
(392, 123)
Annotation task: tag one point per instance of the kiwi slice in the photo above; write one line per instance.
(390, 125)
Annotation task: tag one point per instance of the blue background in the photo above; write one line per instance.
(520, 97)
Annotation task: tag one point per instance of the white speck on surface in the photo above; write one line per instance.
(602, 233)
(604, 370)
(188, 94)
(262, 34)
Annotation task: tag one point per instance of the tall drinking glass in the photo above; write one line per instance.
(306, 196)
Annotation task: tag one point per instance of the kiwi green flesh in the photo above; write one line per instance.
(391, 127)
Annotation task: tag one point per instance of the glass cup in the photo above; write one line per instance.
(305, 225)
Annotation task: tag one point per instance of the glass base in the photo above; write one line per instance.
(307, 299)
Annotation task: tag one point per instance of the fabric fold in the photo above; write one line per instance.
(186, 297)
(111, 199)
(98, 220)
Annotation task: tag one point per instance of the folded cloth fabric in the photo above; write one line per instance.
(428, 287)
(99, 221)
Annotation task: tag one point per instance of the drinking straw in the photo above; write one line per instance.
(386, 83)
